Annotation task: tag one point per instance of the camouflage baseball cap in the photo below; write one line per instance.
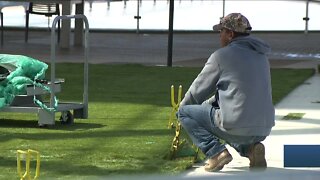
(234, 22)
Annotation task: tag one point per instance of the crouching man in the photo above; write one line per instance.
(231, 98)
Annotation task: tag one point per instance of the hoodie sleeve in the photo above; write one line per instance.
(204, 85)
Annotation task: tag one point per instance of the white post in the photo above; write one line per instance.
(307, 18)
(138, 17)
(223, 8)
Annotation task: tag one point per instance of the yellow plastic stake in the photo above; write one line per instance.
(174, 123)
(21, 155)
(27, 155)
(175, 106)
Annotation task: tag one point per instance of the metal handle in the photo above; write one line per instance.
(86, 47)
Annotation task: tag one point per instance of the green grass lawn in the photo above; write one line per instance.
(126, 133)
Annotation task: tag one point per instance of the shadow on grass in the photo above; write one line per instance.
(106, 134)
(57, 168)
(54, 169)
(14, 123)
(92, 170)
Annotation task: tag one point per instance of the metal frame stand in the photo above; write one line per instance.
(24, 103)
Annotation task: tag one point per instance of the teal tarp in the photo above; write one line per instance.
(18, 71)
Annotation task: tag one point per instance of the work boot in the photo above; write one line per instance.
(257, 157)
(217, 162)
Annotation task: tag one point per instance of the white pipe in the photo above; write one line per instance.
(306, 18)
(223, 8)
(138, 15)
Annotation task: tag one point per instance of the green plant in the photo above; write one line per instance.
(293, 116)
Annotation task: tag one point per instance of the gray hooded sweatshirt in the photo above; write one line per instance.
(240, 75)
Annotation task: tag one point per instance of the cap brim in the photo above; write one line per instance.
(217, 27)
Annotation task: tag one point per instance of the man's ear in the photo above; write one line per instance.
(230, 35)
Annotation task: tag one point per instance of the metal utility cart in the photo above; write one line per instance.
(24, 103)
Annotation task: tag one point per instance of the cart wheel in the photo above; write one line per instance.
(66, 117)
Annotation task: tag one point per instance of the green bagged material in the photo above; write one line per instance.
(17, 72)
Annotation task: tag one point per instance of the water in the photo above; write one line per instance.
(188, 15)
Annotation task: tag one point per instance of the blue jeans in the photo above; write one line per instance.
(198, 122)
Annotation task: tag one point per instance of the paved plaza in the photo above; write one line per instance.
(150, 48)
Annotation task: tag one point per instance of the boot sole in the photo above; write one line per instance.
(221, 164)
